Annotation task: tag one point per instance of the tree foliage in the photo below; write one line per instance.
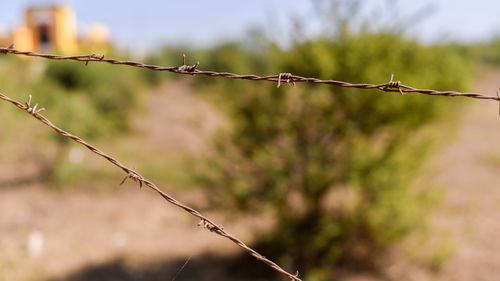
(335, 166)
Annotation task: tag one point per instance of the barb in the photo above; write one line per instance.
(394, 85)
(32, 110)
(132, 174)
(391, 86)
(287, 76)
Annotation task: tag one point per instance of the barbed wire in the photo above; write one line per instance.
(135, 176)
(391, 86)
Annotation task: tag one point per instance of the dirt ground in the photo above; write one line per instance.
(471, 177)
(133, 234)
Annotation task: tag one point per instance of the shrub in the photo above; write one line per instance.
(334, 166)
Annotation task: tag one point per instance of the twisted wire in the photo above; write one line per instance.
(391, 86)
(132, 174)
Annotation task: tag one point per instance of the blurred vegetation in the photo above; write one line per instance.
(488, 52)
(335, 167)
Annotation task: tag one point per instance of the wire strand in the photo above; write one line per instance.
(391, 86)
(132, 174)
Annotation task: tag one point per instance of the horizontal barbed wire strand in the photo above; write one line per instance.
(391, 86)
(132, 174)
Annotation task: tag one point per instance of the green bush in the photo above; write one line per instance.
(488, 52)
(334, 166)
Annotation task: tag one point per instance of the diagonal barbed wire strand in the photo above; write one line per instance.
(135, 176)
(391, 86)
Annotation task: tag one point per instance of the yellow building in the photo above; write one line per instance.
(50, 28)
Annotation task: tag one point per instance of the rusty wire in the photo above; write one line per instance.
(135, 176)
(391, 86)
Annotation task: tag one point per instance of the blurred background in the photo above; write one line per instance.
(337, 183)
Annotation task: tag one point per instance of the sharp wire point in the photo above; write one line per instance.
(288, 78)
(124, 179)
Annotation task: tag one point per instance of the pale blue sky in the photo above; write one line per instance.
(147, 23)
